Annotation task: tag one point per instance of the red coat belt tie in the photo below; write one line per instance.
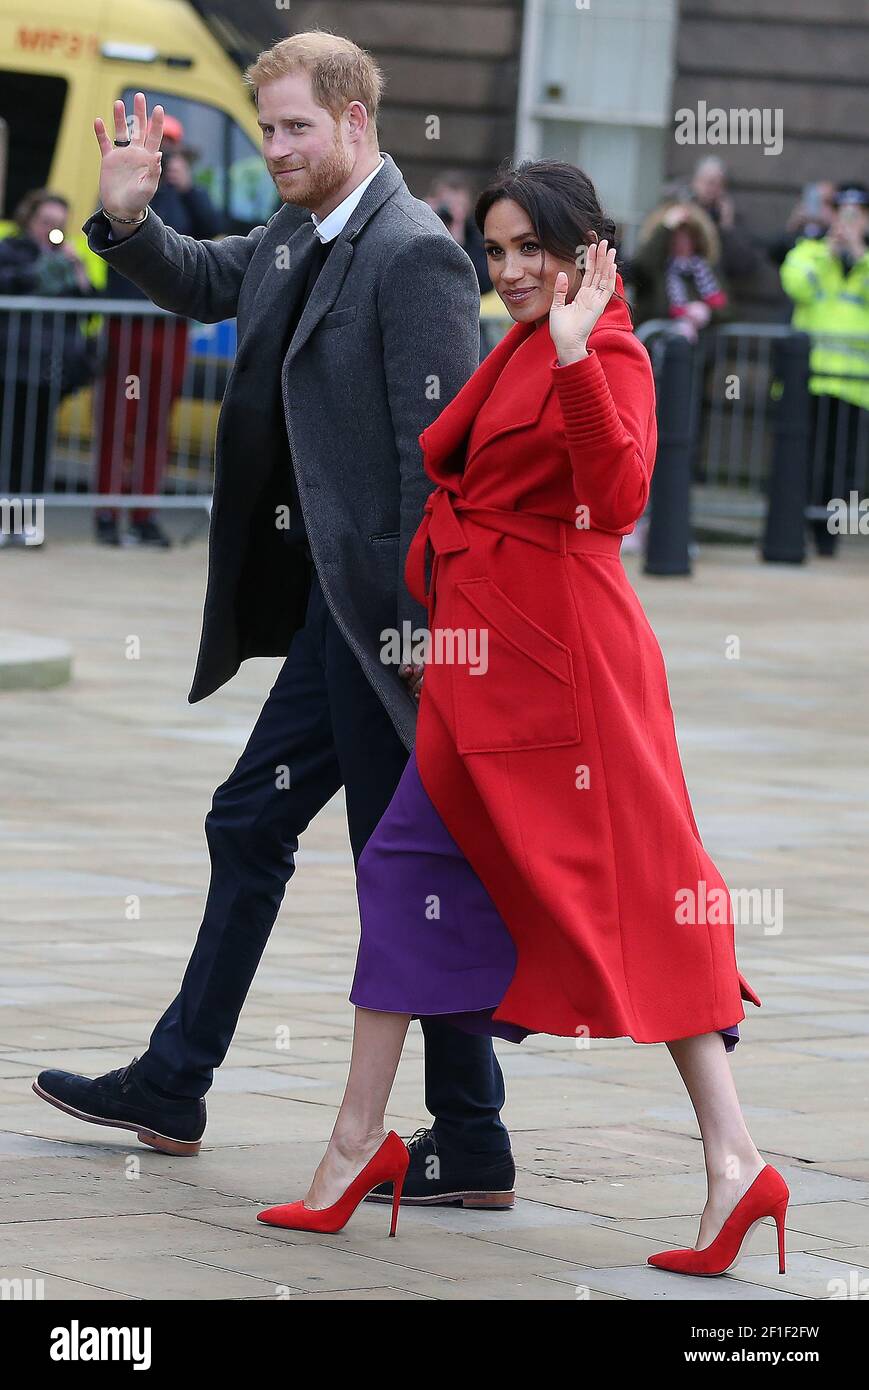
(441, 532)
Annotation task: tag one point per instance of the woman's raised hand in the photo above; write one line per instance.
(129, 174)
(570, 324)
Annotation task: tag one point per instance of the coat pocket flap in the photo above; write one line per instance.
(338, 317)
(518, 629)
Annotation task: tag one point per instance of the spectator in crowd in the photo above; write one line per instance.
(828, 280)
(674, 273)
(133, 433)
(739, 255)
(810, 218)
(43, 357)
(451, 196)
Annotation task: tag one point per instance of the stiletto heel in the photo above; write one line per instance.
(767, 1196)
(389, 1164)
(396, 1202)
(779, 1214)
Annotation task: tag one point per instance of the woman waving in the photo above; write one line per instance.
(539, 868)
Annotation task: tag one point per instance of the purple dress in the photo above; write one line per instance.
(433, 942)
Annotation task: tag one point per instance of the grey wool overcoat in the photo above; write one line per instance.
(388, 336)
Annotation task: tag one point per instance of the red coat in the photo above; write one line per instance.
(556, 768)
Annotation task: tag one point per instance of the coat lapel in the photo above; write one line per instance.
(329, 281)
(292, 246)
(325, 290)
(524, 386)
(445, 436)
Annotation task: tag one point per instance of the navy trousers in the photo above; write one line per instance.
(321, 727)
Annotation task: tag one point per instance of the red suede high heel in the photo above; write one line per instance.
(389, 1164)
(767, 1196)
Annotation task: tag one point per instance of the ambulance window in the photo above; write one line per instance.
(252, 194)
(32, 107)
(226, 164)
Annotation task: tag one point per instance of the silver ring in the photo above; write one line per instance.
(123, 142)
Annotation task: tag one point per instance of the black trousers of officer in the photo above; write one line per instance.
(324, 725)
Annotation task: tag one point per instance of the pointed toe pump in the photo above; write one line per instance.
(389, 1164)
(767, 1196)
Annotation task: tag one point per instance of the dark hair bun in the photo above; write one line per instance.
(560, 200)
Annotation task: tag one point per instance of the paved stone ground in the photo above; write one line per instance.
(106, 784)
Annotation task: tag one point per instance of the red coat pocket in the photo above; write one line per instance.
(519, 691)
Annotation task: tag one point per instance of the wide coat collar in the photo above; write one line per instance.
(521, 365)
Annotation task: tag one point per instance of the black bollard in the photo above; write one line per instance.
(784, 538)
(670, 525)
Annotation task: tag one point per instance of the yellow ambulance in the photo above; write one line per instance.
(62, 64)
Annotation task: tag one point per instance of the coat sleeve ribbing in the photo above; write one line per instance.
(608, 406)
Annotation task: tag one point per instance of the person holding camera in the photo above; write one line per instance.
(43, 356)
(828, 281)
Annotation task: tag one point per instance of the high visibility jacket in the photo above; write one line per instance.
(832, 305)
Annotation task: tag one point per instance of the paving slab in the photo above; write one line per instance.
(114, 772)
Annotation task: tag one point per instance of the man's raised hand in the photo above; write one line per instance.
(129, 174)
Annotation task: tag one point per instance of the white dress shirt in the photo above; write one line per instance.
(327, 228)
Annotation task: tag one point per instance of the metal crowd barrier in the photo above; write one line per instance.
(108, 402)
(115, 402)
(734, 405)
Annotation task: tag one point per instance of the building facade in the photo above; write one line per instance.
(600, 82)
